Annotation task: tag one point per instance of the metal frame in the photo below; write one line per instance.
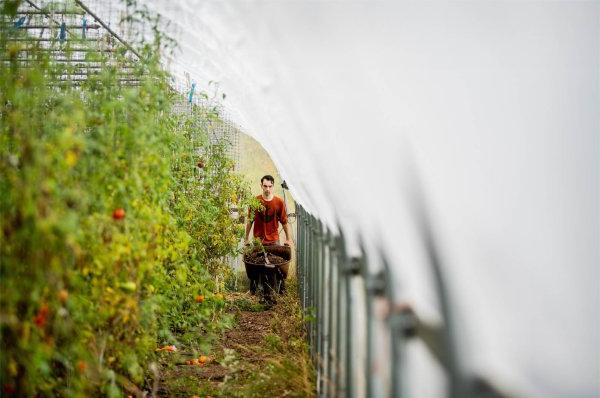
(64, 33)
(327, 283)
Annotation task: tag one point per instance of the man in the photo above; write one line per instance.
(266, 221)
(266, 228)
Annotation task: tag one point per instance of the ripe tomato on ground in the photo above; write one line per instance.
(63, 295)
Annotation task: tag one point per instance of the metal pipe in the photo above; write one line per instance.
(304, 261)
(320, 313)
(397, 336)
(330, 317)
(68, 49)
(310, 281)
(315, 286)
(32, 4)
(318, 305)
(457, 384)
(105, 26)
(57, 12)
(26, 27)
(322, 302)
(74, 63)
(352, 269)
(337, 363)
(349, 338)
(299, 251)
(370, 326)
(45, 39)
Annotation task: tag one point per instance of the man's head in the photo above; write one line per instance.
(267, 183)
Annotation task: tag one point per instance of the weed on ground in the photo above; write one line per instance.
(263, 354)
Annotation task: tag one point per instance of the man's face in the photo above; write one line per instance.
(267, 188)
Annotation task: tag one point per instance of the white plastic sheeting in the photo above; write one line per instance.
(491, 110)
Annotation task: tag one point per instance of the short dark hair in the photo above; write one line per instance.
(268, 178)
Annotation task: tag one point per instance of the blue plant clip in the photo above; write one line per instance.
(63, 32)
(191, 96)
(20, 22)
(84, 26)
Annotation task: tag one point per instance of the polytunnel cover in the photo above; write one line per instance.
(484, 114)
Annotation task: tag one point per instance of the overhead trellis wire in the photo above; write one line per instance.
(71, 33)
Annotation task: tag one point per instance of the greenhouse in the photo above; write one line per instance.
(435, 172)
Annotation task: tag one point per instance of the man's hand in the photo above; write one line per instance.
(288, 242)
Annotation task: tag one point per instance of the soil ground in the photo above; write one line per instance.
(263, 353)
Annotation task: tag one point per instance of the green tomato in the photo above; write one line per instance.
(128, 286)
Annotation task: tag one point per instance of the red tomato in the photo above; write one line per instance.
(41, 317)
(63, 295)
(119, 214)
(81, 366)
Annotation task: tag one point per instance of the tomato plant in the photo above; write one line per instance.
(109, 224)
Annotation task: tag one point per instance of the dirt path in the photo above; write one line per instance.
(183, 380)
(263, 354)
(250, 331)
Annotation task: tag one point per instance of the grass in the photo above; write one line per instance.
(282, 367)
(247, 304)
(264, 354)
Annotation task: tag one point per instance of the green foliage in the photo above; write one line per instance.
(310, 314)
(245, 304)
(285, 368)
(88, 293)
(255, 245)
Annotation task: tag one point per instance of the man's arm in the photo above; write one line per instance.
(288, 235)
(248, 228)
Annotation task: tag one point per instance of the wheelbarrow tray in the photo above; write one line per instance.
(285, 252)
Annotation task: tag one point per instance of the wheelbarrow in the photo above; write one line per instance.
(273, 274)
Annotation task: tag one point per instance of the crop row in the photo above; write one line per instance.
(115, 216)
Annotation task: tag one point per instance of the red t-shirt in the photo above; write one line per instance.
(266, 221)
